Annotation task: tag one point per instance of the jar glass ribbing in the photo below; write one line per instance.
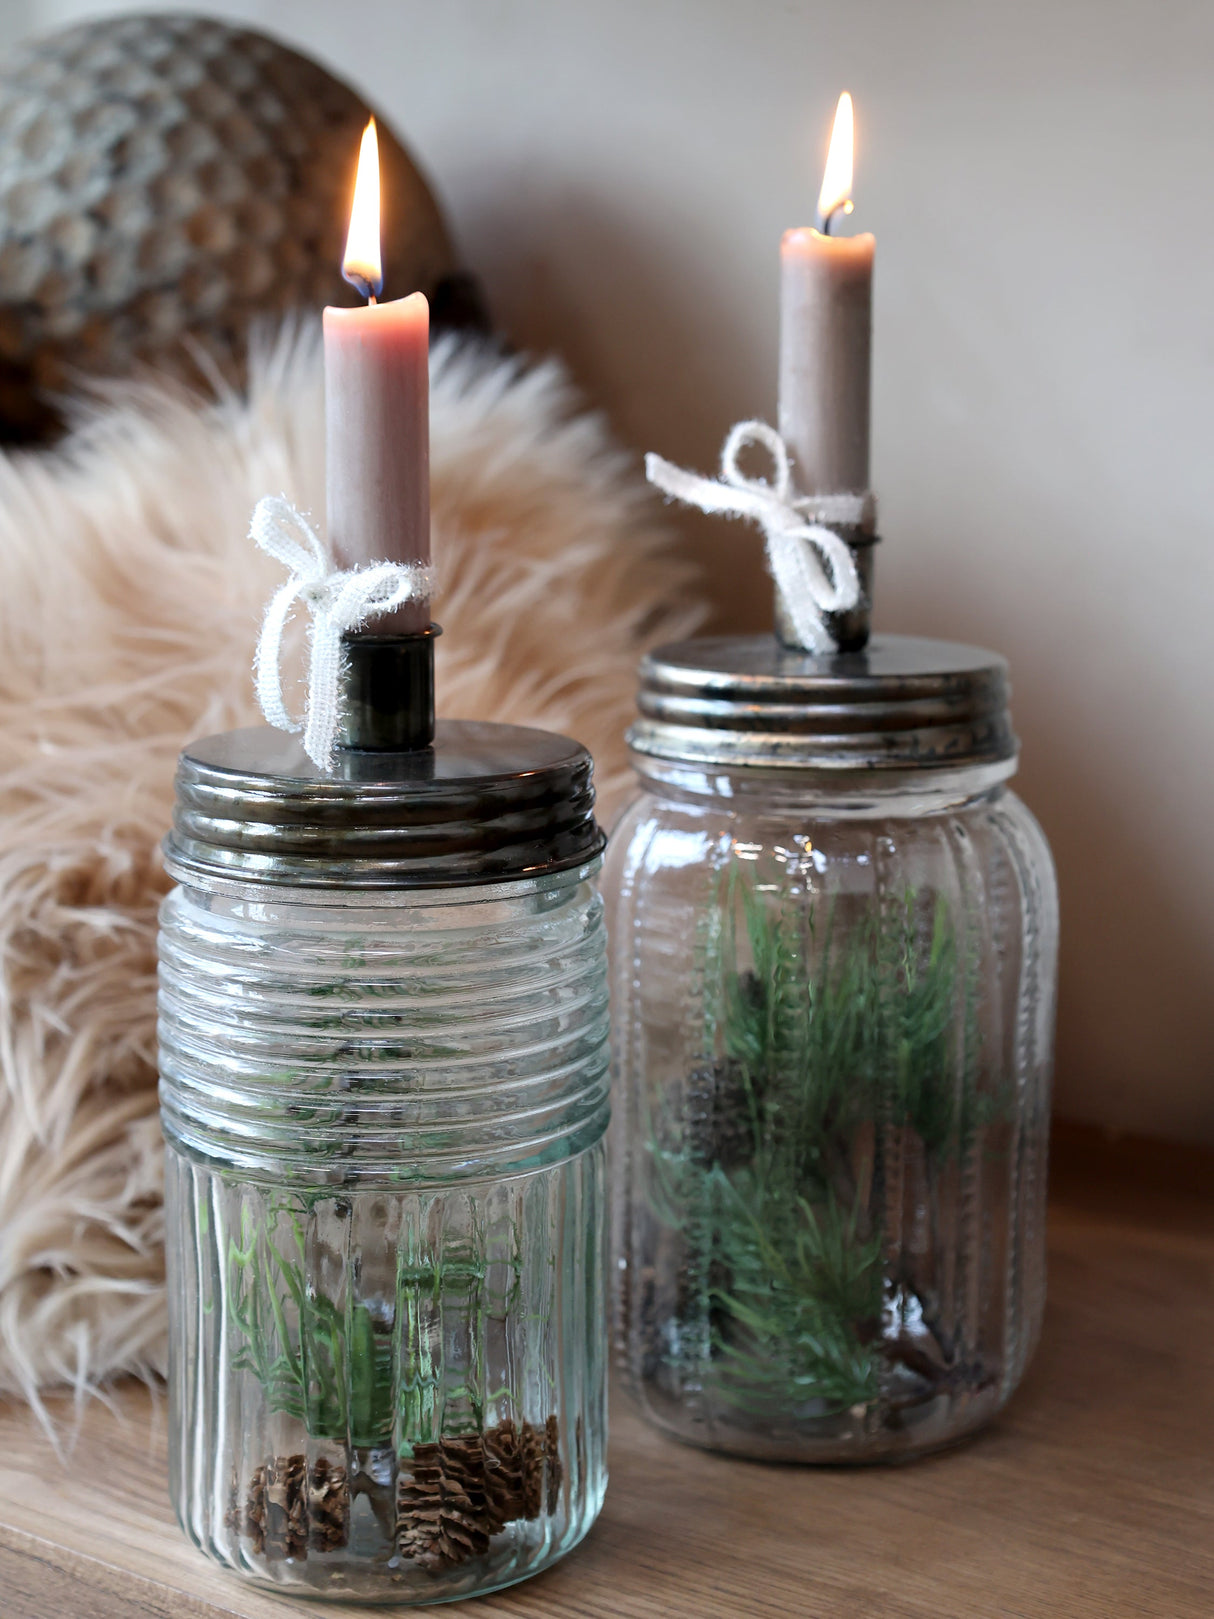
(833, 1012)
(385, 1230)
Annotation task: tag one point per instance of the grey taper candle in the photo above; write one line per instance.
(826, 317)
(377, 412)
(825, 345)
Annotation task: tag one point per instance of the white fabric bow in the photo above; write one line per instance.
(338, 601)
(813, 568)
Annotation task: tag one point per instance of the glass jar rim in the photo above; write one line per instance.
(842, 793)
(251, 890)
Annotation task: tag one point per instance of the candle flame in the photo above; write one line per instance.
(837, 178)
(362, 266)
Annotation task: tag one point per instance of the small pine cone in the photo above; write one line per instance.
(328, 1508)
(503, 1475)
(717, 1114)
(233, 1518)
(516, 1466)
(440, 1505)
(463, 1458)
(532, 1447)
(419, 1538)
(699, 1109)
(556, 1471)
(255, 1511)
(286, 1506)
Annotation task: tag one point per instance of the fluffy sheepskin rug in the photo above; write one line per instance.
(129, 604)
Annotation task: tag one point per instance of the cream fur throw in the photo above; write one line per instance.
(129, 604)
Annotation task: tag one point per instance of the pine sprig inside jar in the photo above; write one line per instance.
(831, 1043)
(359, 1375)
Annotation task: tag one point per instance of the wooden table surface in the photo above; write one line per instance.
(1092, 1498)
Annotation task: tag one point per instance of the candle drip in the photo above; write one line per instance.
(338, 599)
(813, 567)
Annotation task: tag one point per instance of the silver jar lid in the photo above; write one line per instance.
(487, 803)
(903, 703)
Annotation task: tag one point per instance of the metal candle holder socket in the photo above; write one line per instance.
(851, 629)
(388, 689)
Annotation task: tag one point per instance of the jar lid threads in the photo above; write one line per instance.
(486, 803)
(901, 703)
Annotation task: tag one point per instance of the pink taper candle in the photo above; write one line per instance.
(377, 412)
(825, 337)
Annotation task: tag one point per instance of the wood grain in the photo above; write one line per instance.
(1093, 1498)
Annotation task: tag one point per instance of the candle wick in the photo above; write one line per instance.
(826, 221)
(370, 288)
(371, 298)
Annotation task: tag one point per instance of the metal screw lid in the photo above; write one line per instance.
(902, 703)
(487, 803)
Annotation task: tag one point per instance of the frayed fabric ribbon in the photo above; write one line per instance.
(338, 601)
(812, 566)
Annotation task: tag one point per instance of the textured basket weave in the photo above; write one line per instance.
(170, 177)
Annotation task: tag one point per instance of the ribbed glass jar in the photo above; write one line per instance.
(833, 1013)
(385, 1206)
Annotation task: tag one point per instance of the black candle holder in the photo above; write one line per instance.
(388, 692)
(850, 629)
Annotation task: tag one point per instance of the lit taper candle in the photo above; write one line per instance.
(377, 410)
(825, 335)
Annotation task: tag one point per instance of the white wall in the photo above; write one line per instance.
(1040, 179)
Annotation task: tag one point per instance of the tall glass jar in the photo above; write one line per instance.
(383, 1057)
(834, 935)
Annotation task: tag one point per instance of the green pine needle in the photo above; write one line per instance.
(330, 1365)
(815, 1053)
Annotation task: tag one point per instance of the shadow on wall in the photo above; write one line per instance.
(1135, 1014)
(618, 321)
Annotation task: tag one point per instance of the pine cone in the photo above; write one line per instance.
(717, 1114)
(282, 1509)
(328, 1508)
(457, 1493)
(234, 1517)
(556, 1471)
(285, 1512)
(254, 1523)
(503, 1474)
(532, 1448)
(515, 1470)
(440, 1505)
(464, 1462)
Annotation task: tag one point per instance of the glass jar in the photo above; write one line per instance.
(383, 1082)
(834, 937)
